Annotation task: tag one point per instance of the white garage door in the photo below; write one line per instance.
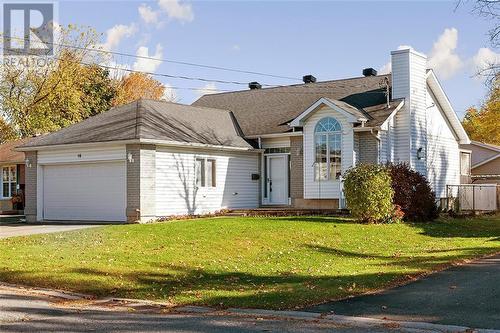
(92, 192)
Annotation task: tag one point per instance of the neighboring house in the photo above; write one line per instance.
(284, 146)
(485, 162)
(12, 175)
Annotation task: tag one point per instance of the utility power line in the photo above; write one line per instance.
(312, 89)
(167, 60)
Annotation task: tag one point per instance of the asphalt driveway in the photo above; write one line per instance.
(19, 229)
(466, 295)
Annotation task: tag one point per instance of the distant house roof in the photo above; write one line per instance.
(154, 120)
(482, 153)
(9, 155)
(269, 110)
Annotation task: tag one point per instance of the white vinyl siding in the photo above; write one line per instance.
(443, 151)
(401, 89)
(176, 190)
(281, 142)
(70, 155)
(325, 189)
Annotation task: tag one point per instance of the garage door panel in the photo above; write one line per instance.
(94, 191)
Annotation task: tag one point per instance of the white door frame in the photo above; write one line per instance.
(268, 157)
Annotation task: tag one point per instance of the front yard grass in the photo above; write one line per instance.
(272, 263)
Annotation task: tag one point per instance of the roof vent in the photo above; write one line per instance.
(308, 79)
(369, 72)
(254, 85)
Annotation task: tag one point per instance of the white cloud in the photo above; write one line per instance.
(236, 47)
(169, 94)
(442, 58)
(483, 59)
(117, 70)
(148, 65)
(116, 34)
(209, 88)
(148, 15)
(387, 68)
(177, 10)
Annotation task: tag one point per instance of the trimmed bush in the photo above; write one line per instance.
(369, 193)
(413, 193)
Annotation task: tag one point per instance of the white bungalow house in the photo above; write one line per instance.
(285, 146)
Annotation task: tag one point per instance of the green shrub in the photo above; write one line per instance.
(412, 193)
(369, 193)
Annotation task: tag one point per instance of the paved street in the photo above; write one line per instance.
(19, 229)
(22, 311)
(467, 295)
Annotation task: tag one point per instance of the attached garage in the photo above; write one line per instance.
(87, 192)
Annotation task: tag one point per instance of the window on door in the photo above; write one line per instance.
(205, 172)
(9, 181)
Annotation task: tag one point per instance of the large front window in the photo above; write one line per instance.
(9, 181)
(328, 149)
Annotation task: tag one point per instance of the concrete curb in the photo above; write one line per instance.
(66, 295)
(362, 322)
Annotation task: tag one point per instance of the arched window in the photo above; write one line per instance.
(328, 149)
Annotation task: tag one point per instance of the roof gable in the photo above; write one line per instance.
(351, 113)
(444, 103)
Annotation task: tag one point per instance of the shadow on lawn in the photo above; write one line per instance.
(282, 290)
(485, 227)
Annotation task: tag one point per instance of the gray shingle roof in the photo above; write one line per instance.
(149, 119)
(268, 110)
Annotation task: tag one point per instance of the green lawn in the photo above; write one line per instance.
(245, 262)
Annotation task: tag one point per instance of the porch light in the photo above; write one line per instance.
(420, 153)
(130, 158)
(27, 162)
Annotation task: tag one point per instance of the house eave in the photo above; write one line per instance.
(138, 141)
(488, 160)
(445, 104)
(274, 135)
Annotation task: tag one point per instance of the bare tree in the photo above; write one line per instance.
(488, 10)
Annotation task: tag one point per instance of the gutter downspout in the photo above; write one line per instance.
(378, 144)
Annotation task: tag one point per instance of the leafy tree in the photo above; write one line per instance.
(98, 89)
(138, 85)
(6, 132)
(42, 94)
(483, 124)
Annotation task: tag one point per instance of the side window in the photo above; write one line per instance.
(205, 172)
(464, 164)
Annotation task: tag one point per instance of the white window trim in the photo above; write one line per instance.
(327, 134)
(10, 182)
(468, 167)
(205, 161)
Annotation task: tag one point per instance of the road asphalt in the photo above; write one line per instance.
(466, 295)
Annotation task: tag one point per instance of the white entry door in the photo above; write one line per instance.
(277, 174)
(92, 192)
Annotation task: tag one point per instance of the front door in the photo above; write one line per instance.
(277, 180)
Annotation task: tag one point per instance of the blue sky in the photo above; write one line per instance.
(330, 40)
